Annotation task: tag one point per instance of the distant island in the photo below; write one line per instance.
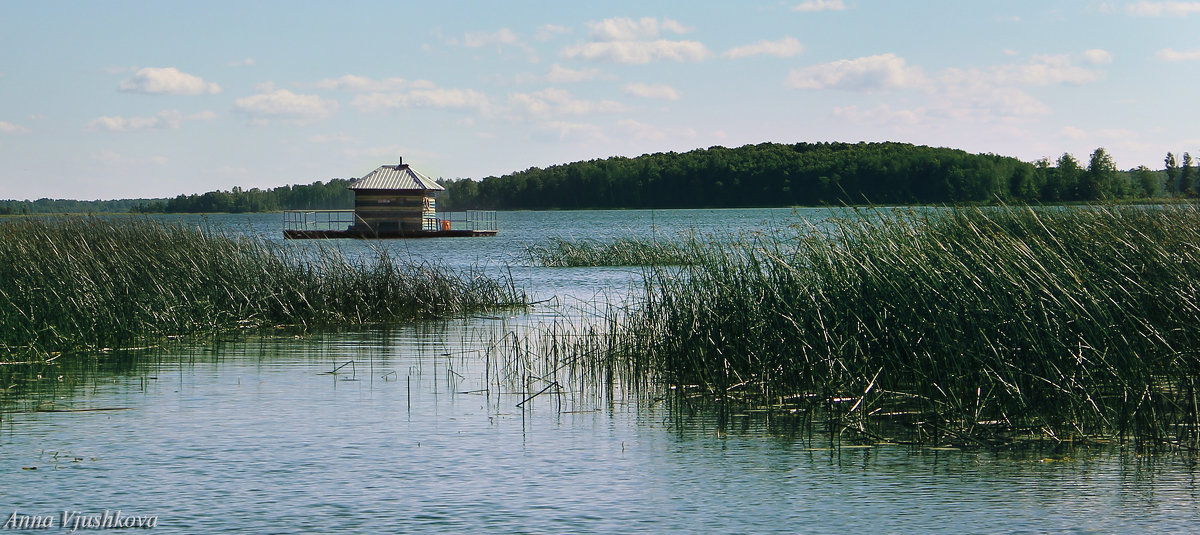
(761, 175)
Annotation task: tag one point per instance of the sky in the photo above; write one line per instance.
(140, 99)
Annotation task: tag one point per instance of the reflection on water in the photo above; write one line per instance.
(446, 427)
(419, 430)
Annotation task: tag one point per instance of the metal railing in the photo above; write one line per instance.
(318, 220)
(468, 220)
(343, 220)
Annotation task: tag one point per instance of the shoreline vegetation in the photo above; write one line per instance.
(83, 284)
(763, 175)
(970, 326)
(624, 251)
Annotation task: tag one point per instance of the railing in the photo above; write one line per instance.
(468, 220)
(318, 220)
(343, 220)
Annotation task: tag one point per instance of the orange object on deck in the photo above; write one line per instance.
(445, 224)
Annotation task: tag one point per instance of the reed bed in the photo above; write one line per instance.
(69, 284)
(624, 251)
(968, 326)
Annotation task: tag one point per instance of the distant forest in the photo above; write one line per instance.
(807, 174)
(766, 174)
(331, 195)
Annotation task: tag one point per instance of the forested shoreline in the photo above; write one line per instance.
(809, 174)
(761, 175)
(328, 195)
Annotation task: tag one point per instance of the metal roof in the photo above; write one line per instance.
(395, 177)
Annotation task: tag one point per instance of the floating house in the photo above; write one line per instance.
(395, 198)
(393, 201)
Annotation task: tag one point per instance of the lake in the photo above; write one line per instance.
(439, 427)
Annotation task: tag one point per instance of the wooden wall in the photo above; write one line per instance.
(387, 211)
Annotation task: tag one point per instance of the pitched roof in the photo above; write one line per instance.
(395, 177)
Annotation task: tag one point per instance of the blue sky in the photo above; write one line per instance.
(150, 99)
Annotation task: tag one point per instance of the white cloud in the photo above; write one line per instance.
(562, 75)
(10, 128)
(993, 95)
(963, 103)
(820, 5)
(784, 48)
(448, 98)
(350, 82)
(168, 81)
(638, 52)
(996, 94)
(283, 105)
(870, 73)
(1043, 70)
(652, 91)
(624, 40)
(1097, 56)
(557, 74)
(463, 99)
(498, 38)
(626, 29)
(248, 62)
(553, 102)
(1158, 9)
(166, 119)
(674, 27)
(1169, 54)
(979, 101)
(546, 32)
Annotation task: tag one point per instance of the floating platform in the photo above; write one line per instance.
(341, 224)
(292, 234)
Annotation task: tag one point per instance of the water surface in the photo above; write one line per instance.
(435, 427)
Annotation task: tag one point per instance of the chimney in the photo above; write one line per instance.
(400, 163)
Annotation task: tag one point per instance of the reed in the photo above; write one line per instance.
(75, 283)
(965, 326)
(624, 251)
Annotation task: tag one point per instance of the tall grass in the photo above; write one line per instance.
(86, 283)
(624, 251)
(966, 326)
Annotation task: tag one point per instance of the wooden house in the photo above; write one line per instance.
(395, 198)
(393, 201)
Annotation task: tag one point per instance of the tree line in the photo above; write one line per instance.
(803, 174)
(329, 195)
(765, 174)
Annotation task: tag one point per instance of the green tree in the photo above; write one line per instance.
(1172, 167)
(1069, 173)
(1186, 182)
(1146, 181)
(1104, 178)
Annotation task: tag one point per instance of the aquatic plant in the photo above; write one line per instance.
(76, 283)
(623, 251)
(965, 325)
